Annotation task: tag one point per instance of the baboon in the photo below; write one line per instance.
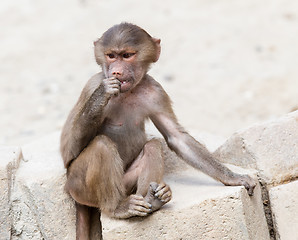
(111, 164)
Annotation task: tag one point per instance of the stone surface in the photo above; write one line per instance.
(35, 206)
(9, 160)
(40, 207)
(201, 208)
(284, 205)
(271, 148)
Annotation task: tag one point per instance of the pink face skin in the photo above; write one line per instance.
(121, 65)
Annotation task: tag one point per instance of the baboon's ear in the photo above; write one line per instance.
(95, 42)
(157, 48)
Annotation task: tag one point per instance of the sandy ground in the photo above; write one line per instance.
(225, 63)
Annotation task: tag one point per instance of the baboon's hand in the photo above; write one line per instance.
(134, 205)
(111, 86)
(249, 183)
(242, 180)
(138, 206)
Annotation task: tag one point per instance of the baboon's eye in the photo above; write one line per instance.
(111, 55)
(127, 55)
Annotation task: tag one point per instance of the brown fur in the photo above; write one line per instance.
(100, 165)
(110, 163)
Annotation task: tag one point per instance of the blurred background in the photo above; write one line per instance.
(226, 64)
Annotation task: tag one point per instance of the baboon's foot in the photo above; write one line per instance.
(158, 195)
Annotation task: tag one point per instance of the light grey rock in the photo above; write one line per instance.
(201, 208)
(41, 209)
(271, 148)
(284, 204)
(10, 158)
(35, 206)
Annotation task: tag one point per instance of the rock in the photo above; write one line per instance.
(201, 208)
(41, 209)
(10, 158)
(284, 205)
(35, 206)
(271, 148)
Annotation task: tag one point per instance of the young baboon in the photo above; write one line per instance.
(111, 165)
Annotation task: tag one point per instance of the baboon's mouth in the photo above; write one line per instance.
(125, 85)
